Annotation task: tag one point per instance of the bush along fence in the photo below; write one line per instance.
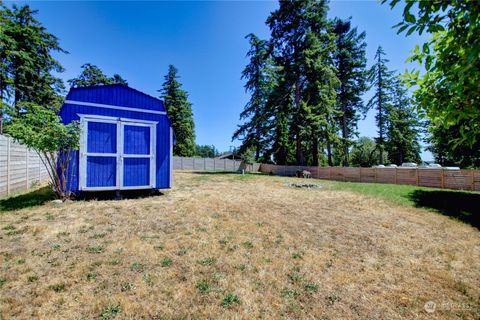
(211, 164)
(20, 168)
(425, 177)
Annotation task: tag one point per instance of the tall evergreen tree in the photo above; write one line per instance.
(380, 79)
(92, 75)
(290, 27)
(26, 60)
(180, 113)
(260, 82)
(402, 130)
(350, 62)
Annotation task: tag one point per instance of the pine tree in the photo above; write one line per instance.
(317, 113)
(179, 110)
(26, 60)
(350, 62)
(290, 26)
(402, 134)
(380, 78)
(260, 81)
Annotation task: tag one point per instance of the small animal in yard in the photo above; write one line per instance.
(304, 174)
(307, 174)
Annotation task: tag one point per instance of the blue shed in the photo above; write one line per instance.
(126, 139)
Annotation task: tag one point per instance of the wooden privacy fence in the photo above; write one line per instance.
(20, 168)
(212, 164)
(425, 177)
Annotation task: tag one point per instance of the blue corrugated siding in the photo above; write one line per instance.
(117, 95)
(136, 171)
(136, 140)
(102, 171)
(122, 96)
(102, 137)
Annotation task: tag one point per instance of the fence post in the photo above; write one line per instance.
(181, 163)
(8, 166)
(26, 166)
(214, 169)
(40, 165)
(416, 171)
(396, 170)
(344, 174)
(473, 180)
(375, 171)
(442, 178)
(329, 173)
(204, 163)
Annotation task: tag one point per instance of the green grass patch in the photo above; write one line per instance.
(461, 205)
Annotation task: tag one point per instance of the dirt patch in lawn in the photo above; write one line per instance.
(231, 246)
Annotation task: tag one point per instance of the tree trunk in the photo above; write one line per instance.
(315, 151)
(345, 136)
(298, 140)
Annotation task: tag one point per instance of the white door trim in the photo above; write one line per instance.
(119, 155)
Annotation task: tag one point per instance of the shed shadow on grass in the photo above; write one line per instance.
(25, 200)
(464, 206)
(124, 194)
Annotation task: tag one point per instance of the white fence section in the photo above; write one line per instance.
(20, 168)
(211, 164)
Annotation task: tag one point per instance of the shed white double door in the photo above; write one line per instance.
(116, 153)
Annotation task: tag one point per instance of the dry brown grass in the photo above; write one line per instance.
(284, 253)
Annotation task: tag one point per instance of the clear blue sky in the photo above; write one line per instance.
(204, 40)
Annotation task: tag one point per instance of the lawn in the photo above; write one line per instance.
(240, 247)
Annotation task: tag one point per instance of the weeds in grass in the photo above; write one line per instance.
(147, 278)
(295, 278)
(49, 216)
(20, 261)
(247, 245)
(127, 286)
(181, 252)
(289, 293)
(332, 297)
(297, 255)
(137, 267)
(59, 287)
(310, 287)
(166, 262)
(32, 278)
(91, 275)
(9, 227)
(203, 286)
(158, 248)
(229, 300)
(98, 235)
(56, 247)
(241, 267)
(85, 229)
(207, 261)
(2, 282)
(110, 312)
(63, 234)
(95, 249)
(114, 262)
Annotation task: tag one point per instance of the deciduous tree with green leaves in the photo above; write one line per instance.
(448, 90)
(179, 110)
(41, 129)
(365, 153)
